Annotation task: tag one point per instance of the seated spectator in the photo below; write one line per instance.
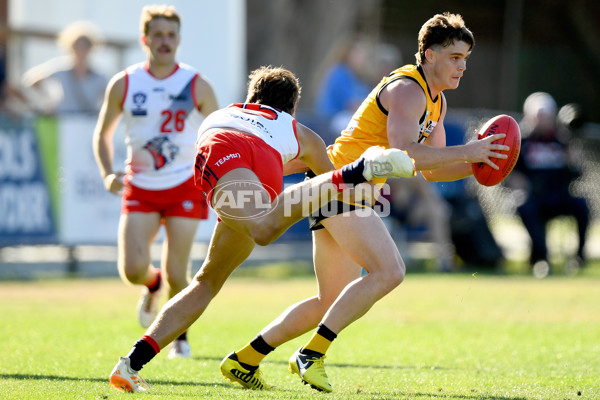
(69, 84)
(544, 173)
(470, 233)
(449, 215)
(12, 101)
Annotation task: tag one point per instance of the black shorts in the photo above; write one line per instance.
(331, 209)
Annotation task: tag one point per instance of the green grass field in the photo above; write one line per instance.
(456, 336)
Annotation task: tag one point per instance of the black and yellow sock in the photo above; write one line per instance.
(254, 352)
(320, 340)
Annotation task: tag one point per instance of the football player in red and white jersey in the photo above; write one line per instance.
(162, 103)
(243, 152)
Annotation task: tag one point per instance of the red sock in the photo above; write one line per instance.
(155, 285)
(338, 180)
(152, 343)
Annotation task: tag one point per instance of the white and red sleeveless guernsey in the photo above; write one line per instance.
(276, 128)
(161, 124)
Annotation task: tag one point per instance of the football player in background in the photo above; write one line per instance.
(162, 102)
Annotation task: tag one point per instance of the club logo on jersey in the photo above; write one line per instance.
(429, 127)
(139, 102)
(426, 128)
(163, 151)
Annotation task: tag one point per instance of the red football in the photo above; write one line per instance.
(485, 174)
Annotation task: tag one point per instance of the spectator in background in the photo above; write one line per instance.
(12, 101)
(3, 82)
(387, 58)
(544, 172)
(67, 85)
(472, 239)
(345, 86)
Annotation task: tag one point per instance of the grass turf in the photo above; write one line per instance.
(458, 336)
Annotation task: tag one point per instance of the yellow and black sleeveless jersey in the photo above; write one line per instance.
(368, 126)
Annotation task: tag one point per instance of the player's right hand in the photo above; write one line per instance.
(484, 149)
(114, 183)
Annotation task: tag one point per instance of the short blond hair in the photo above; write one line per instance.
(76, 30)
(157, 11)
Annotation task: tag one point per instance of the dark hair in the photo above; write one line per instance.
(443, 30)
(275, 87)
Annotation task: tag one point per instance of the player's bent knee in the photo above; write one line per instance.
(263, 240)
(391, 278)
(395, 277)
(264, 234)
(135, 274)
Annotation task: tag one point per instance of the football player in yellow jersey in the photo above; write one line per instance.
(405, 111)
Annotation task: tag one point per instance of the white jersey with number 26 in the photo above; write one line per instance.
(161, 123)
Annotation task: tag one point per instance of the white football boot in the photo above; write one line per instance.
(180, 349)
(383, 163)
(125, 379)
(148, 307)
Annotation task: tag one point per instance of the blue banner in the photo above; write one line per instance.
(25, 205)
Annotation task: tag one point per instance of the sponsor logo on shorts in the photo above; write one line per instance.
(188, 205)
(132, 203)
(227, 158)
